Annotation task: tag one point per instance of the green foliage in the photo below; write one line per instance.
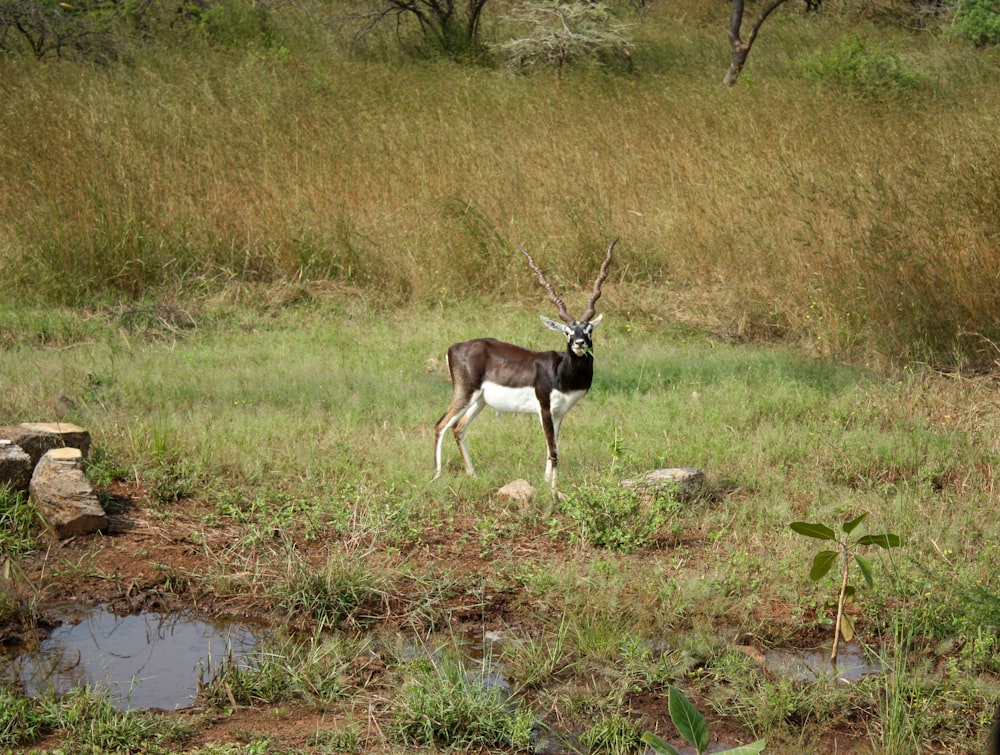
(17, 517)
(331, 594)
(286, 668)
(173, 479)
(102, 31)
(231, 22)
(824, 561)
(866, 68)
(612, 734)
(608, 515)
(978, 20)
(343, 738)
(21, 720)
(446, 702)
(104, 467)
(694, 728)
(88, 722)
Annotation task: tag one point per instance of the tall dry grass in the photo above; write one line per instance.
(789, 206)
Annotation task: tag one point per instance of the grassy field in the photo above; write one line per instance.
(239, 266)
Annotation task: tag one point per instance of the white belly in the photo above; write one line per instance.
(523, 400)
(505, 399)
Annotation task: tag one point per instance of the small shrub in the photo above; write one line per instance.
(619, 519)
(335, 593)
(846, 553)
(560, 34)
(978, 20)
(315, 671)
(864, 68)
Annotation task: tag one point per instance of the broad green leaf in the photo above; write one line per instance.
(809, 529)
(822, 564)
(883, 541)
(866, 568)
(849, 592)
(849, 526)
(751, 749)
(847, 627)
(689, 722)
(658, 744)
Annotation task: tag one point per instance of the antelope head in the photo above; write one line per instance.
(578, 332)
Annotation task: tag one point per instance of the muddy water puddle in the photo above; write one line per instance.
(811, 665)
(147, 660)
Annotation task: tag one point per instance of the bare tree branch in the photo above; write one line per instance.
(740, 47)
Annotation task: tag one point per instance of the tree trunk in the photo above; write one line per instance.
(740, 48)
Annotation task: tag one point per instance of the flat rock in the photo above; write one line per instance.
(35, 438)
(65, 499)
(683, 481)
(15, 466)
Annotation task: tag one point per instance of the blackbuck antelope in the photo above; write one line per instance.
(509, 378)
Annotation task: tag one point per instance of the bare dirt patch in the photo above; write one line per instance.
(161, 559)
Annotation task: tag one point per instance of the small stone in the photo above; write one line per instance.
(518, 491)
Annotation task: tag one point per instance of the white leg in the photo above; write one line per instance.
(440, 439)
(470, 414)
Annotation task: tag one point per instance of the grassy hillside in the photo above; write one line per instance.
(844, 194)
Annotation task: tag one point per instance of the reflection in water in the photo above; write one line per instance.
(810, 665)
(150, 660)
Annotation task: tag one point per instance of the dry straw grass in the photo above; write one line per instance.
(783, 207)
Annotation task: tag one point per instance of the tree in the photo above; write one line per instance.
(52, 30)
(451, 28)
(740, 47)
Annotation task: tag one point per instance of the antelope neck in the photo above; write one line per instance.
(574, 373)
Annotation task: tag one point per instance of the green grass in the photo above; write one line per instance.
(86, 720)
(316, 422)
(447, 702)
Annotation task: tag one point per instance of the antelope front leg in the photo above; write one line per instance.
(551, 445)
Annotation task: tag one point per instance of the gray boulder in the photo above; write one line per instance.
(684, 482)
(65, 499)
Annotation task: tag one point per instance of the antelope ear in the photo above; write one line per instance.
(553, 325)
(597, 320)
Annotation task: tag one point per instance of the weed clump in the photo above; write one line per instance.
(446, 703)
(864, 68)
(619, 519)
